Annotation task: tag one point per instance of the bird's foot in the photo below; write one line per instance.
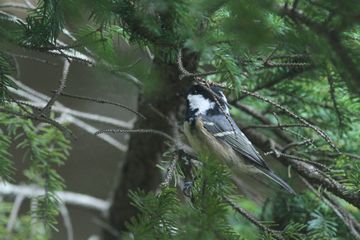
(187, 188)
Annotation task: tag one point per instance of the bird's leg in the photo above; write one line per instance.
(186, 166)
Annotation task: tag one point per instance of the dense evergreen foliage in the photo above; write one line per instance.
(300, 57)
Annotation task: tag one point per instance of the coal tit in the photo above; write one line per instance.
(209, 128)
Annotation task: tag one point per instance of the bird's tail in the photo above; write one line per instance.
(279, 181)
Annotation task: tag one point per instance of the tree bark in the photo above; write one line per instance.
(139, 170)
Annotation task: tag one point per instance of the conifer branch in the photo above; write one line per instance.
(103, 101)
(61, 87)
(351, 223)
(252, 219)
(320, 132)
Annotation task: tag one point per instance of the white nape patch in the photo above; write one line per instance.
(226, 109)
(223, 97)
(199, 102)
(222, 134)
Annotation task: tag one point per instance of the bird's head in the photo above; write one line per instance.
(201, 101)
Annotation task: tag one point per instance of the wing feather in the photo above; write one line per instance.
(221, 128)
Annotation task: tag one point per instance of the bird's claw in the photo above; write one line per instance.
(187, 188)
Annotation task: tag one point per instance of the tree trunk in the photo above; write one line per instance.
(140, 171)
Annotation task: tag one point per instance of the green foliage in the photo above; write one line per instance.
(6, 70)
(301, 54)
(309, 217)
(23, 227)
(45, 149)
(164, 216)
(44, 23)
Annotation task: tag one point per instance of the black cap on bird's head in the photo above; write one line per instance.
(201, 101)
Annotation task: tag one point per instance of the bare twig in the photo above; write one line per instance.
(311, 173)
(297, 158)
(333, 98)
(184, 72)
(252, 219)
(61, 87)
(274, 126)
(349, 221)
(263, 119)
(296, 144)
(317, 177)
(92, 130)
(293, 115)
(138, 131)
(103, 101)
(39, 100)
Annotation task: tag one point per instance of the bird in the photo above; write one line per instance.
(209, 128)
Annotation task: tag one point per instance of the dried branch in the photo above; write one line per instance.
(349, 221)
(61, 87)
(296, 144)
(311, 173)
(262, 119)
(39, 100)
(138, 131)
(333, 38)
(321, 166)
(293, 115)
(252, 219)
(333, 98)
(103, 101)
(274, 126)
(317, 177)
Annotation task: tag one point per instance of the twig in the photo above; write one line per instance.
(61, 87)
(262, 119)
(293, 115)
(90, 129)
(349, 221)
(137, 131)
(274, 126)
(253, 220)
(297, 158)
(333, 98)
(39, 100)
(65, 130)
(318, 177)
(296, 144)
(103, 101)
(184, 72)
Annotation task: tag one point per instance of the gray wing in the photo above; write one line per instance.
(220, 127)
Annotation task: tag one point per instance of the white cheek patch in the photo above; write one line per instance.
(200, 103)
